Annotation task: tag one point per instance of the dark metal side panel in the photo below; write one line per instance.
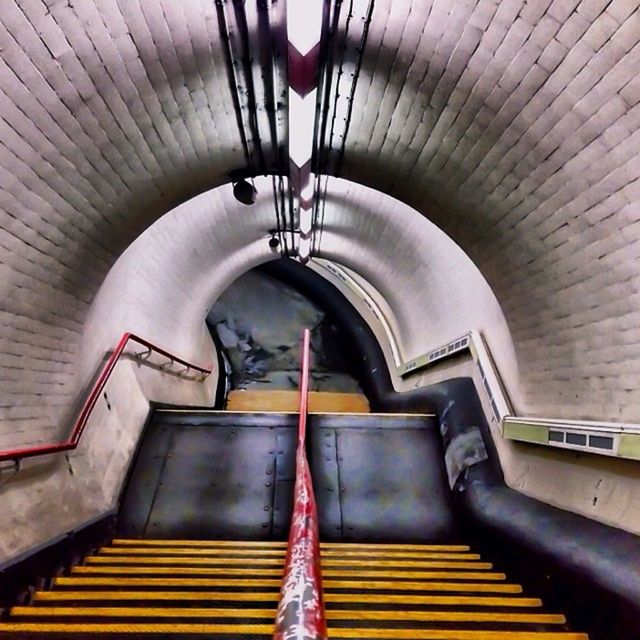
(202, 479)
(380, 478)
(208, 475)
(392, 486)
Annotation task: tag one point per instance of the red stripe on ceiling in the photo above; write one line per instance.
(299, 176)
(303, 70)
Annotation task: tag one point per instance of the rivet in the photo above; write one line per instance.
(267, 508)
(268, 484)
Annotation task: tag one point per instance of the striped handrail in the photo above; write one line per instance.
(301, 608)
(87, 408)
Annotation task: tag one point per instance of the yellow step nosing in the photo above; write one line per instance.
(168, 582)
(258, 596)
(196, 543)
(247, 629)
(449, 634)
(346, 546)
(92, 560)
(326, 562)
(329, 598)
(229, 571)
(96, 570)
(132, 627)
(416, 575)
(431, 555)
(390, 585)
(146, 612)
(150, 551)
(337, 614)
(183, 551)
(446, 616)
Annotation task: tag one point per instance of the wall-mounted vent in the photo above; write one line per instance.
(606, 438)
(601, 442)
(577, 439)
(446, 351)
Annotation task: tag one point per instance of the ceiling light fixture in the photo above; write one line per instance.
(244, 192)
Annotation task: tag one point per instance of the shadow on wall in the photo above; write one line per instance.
(258, 322)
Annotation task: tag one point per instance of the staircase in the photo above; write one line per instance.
(190, 588)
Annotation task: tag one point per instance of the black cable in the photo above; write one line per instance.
(354, 82)
(245, 58)
(280, 216)
(268, 55)
(324, 151)
(327, 41)
(292, 221)
(337, 93)
(233, 86)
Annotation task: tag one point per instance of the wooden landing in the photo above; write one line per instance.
(287, 401)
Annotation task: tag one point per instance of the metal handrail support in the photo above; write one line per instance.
(87, 408)
(301, 613)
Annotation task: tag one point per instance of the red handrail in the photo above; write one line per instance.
(301, 608)
(78, 428)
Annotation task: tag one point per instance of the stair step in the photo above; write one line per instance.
(273, 596)
(173, 542)
(338, 614)
(195, 551)
(195, 596)
(170, 589)
(165, 582)
(400, 585)
(345, 546)
(327, 573)
(149, 542)
(174, 629)
(326, 562)
(144, 612)
(328, 553)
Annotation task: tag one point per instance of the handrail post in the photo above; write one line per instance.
(301, 608)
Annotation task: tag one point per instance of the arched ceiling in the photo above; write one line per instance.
(192, 254)
(513, 126)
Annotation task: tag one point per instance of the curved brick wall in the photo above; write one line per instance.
(512, 126)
